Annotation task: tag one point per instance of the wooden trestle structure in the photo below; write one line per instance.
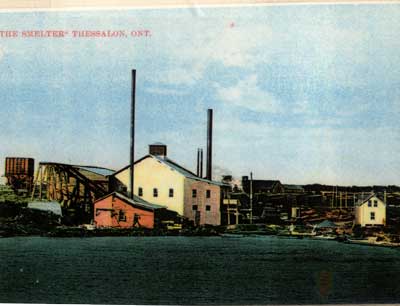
(74, 187)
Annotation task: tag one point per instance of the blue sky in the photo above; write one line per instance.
(301, 93)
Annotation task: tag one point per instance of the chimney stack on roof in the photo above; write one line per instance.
(158, 149)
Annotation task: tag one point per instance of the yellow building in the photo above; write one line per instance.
(371, 211)
(159, 180)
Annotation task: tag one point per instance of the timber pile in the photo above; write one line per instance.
(16, 219)
(7, 195)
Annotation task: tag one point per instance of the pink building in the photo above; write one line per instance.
(117, 210)
(202, 202)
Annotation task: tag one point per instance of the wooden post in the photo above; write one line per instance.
(237, 213)
(34, 184)
(229, 211)
(41, 181)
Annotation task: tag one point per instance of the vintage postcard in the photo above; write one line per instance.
(200, 154)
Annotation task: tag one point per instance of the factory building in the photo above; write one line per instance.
(262, 186)
(162, 181)
(117, 210)
(75, 187)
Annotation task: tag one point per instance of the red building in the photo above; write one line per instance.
(117, 210)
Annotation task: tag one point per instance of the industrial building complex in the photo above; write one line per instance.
(154, 191)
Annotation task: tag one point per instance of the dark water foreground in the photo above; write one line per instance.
(195, 270)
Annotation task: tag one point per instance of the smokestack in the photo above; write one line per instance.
(199, 172)
(209, 143)
(201, 163)
(132, 158)
(198, 162)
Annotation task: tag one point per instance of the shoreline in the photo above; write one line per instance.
(82, 232)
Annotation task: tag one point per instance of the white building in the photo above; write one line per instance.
(371, 211)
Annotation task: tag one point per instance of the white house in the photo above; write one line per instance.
(371, 211)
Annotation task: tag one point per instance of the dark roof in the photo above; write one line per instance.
(157, 144)
(266, 183)
(137, 201)
(364, 198)
(262, 184)
(294, 187)
(174, 166)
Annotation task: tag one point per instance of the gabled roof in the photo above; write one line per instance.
(137, 201)
(262, 184)
(293, 187)
(174, 166)
(267, 183)
(366, 198)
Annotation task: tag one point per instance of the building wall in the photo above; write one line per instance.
(363, 213)
(107, 212)
(149, 174)
(211, 217)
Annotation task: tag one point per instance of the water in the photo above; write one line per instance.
(195, 270)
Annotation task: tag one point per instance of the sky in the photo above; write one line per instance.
(301, 93)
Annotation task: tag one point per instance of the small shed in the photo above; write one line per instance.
(325, 227)
(326, 224)
(51, 206)
(119, 211)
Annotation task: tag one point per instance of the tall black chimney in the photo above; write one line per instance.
(209, 143)
(198, 162)
(201, 163)
(132, 158)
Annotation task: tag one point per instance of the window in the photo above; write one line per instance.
(372, 216)
(194, 207)
(140, 191)
(375, 203)
(155, 192)
(171, 192)
(208, 207)
(194, 193)
(369, 203)
(208, 194)
(121, 216)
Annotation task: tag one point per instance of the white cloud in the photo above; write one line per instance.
(186, 54)
(179, 76)
(247, 94)
(241, 45)
(303, 107)
(165, 91)
(310, 154)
